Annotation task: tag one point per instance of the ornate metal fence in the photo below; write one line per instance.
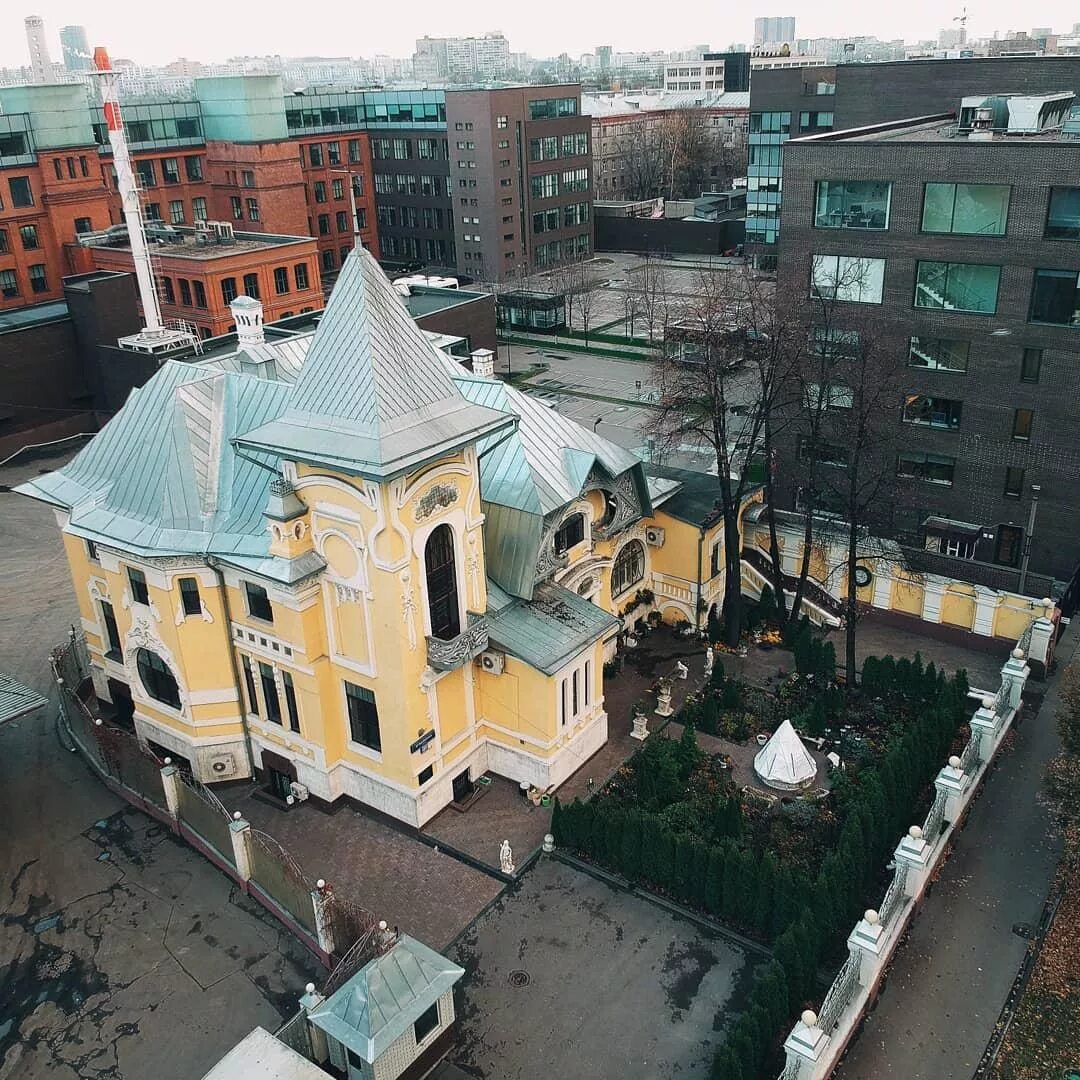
(935, 818)
(969, 759)
(201, 812)
(840, 994)
(282, 878)
(894, 896)
(296, 1034)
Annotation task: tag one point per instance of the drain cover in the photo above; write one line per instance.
(519, 978)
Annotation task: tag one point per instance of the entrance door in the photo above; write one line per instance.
(1009, 541)
(278, 783)
(463, 786)
(124, 707)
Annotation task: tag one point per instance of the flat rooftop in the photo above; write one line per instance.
(428, 299)
(946, 131)
(185, 243)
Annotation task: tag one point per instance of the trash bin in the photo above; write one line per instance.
(523, 787)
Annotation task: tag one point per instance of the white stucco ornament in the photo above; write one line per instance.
(506, 858)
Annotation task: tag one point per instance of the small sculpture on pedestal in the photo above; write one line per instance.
(681, 670)
(640, 729)
(709, 657)
(663, 698)
(506, 858)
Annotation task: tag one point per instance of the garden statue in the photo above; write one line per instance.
(663, 698)
(640, 729)
(709, 657)
(681, 670)
(506, 858)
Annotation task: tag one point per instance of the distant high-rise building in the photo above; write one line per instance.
(486, 57)
(40, 61)
(603, 57)
(76, 48)
(774, 30)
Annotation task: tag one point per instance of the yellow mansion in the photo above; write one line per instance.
(346, 564)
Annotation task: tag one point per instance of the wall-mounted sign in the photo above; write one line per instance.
(421, 744)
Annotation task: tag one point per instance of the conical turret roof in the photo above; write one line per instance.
(372, 397)
(784, 762)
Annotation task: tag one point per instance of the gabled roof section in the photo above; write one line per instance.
(162, 477)
(546, 463)
(372, 398)
(385, 997)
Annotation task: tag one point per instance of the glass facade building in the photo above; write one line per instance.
(768, 133)
(315, 114)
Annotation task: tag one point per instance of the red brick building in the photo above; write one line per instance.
(198, 276)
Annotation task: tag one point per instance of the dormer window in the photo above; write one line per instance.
(570, 533)
(611, 507)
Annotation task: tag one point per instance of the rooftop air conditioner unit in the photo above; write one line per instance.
(654, 536)
(492, 661)
(224, 230)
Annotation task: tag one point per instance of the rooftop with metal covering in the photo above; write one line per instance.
(369, 400)
(385, 997)
(17, 700)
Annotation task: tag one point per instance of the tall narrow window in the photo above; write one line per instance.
(562, 701)
(270, 694)
(442, 584)
(112, 634)
(587, 682)
(1022, 419)
(249, 685)
(574, 680)
(189, 596)
(363, 716)
(137, 581)
(1030, 365)
(290, 701)
(629, 567)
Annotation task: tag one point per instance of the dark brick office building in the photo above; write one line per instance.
(789, 103)
(968, 249)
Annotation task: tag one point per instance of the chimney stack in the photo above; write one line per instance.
(247, 312)
(483, 363)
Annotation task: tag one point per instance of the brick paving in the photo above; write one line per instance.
(502, 814)
(428, 894)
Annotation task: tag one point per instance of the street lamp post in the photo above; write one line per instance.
(1035, 489)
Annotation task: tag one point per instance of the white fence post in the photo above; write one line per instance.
(1014, 674)
(321, 900)
(170, 784)
(1042, 635)
(866, 941)
(952, 782)
(986, 724)
(913, 853)
(240, 833)
(805, 1047)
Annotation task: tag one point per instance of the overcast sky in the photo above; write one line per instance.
(209, 30)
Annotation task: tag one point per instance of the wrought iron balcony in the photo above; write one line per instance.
(458, 651)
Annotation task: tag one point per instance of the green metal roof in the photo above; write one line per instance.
(369, 400)
(548, 631)
(17, 700)
(385, 997)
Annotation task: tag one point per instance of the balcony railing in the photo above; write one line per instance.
(458, 651)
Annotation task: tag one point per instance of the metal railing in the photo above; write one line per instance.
(840, 994)
(935, 818)
(894, 896)
(969, 759)
(458, 651)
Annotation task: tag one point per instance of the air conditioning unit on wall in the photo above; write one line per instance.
(299, 791)
(654, 536)
(223, 766)
(492, 661)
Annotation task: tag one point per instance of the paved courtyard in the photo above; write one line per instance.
(123, 954)
(567, 976)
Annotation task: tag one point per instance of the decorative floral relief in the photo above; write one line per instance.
(408, 606)
(472, 568)
(439, 496)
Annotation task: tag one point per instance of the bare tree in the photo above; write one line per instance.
(669, 155)
(696, 402)
(652, 299)
(588, 289)
(849, 434)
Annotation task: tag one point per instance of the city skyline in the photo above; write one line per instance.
(361, 32)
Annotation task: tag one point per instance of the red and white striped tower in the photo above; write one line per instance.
(129, 194)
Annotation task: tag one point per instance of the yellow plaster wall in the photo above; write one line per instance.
(958, 606)
(521, 700)
(907, 596)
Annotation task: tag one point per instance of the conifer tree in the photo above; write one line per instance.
(764, 890)
(714, 880)
(630, 850)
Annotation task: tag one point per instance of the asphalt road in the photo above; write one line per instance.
(123, 954)
(951, 978)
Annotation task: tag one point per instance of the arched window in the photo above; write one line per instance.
(442, 584)
(629, 567)
(157, 679)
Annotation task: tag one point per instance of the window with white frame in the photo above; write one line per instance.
(575, 693)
